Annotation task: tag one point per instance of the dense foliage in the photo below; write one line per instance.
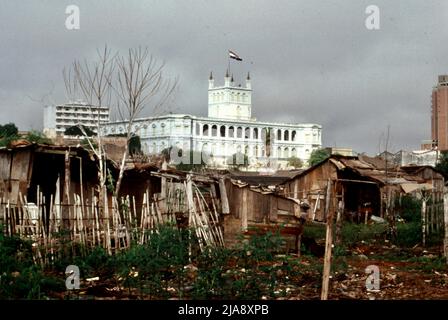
(442, 163)
(76, 131)
(295, 162)
(317, 156)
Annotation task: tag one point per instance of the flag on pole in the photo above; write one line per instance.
(233, 55)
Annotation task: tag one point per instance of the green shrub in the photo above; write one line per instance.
(19, 277)
(409, 234)
(409, 208)
(353, 233)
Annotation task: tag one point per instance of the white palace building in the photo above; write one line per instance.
(229, 129)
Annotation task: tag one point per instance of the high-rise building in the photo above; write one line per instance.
(57, 118)
(439, 114)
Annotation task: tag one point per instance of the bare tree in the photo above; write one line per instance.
(139, 84)
(92, 82)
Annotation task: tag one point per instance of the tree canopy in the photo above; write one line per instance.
(76, 131)
(135, 145)
(8, 133)
(37, 137)
(8, 130)
(442, 163)
(317, 156)
(295, 162)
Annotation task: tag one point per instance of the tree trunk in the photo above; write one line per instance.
(122, 167)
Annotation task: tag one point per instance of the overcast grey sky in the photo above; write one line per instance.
(310, 61)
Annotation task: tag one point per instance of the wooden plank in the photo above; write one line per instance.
(244, 210)
(224, 200)
(328, 244)
(423, 212)
(5, 166)
(273, 209)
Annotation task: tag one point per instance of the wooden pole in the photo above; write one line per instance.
(66, 199)
(423, 221)
(328, 244)
(224, 199)
(244, 210)
(445, 220)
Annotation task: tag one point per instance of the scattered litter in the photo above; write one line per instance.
(377, 219)
(93, 279)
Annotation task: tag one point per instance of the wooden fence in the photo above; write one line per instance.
(113, 226)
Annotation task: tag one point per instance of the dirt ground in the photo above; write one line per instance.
(405, 274)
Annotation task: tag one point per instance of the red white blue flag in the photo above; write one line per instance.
(233, 55)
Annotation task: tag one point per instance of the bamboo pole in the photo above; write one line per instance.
(2, 209)
(204, 221)
(423, 212)
(328, 244)
(445, 220)
(218, 224)
(192, 210)
(8, 224)
(107, 231)
(97, 219)
(244, 211)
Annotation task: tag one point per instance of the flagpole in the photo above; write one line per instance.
(228, 58)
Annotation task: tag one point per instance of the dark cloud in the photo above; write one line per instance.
(311, 61)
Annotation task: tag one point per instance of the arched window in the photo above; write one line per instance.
(205, 130)
(264, 133)
(247, 133)
(255, 151)
(239, 132)
(286, 135)
(231, 132)
(293, 136)
(214, 130)
(198, 129)
(286, 153)
(293, 152)
(279, 134)
(279, 152)
(255, 133)
(222, 131)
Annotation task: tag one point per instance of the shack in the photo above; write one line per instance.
(365, 186)
(255, 209)
(33, 170)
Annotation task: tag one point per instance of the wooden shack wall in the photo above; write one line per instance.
(264, 212)
(311, 186)
(15, 172)
(431, 175)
